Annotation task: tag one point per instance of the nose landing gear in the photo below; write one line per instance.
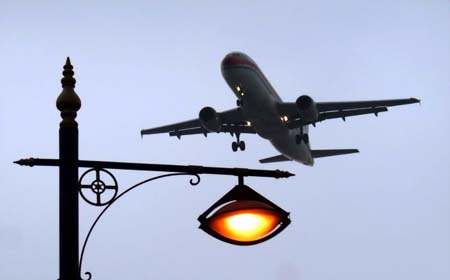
(302, 137)
(238, 144)
(299, 138)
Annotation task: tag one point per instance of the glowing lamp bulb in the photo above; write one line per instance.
(243, 217)
(245, 225)
(245, 221)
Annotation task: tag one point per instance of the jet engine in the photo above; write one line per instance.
(307, 108)
(210, 120)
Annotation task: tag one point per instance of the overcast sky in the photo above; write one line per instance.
(380, 214)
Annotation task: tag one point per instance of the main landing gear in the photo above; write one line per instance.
(238, 144)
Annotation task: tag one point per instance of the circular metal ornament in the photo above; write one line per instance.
(98, 187)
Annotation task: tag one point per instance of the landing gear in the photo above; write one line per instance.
(239, 102)
(238, 144)
(302, 137)
(299, 138)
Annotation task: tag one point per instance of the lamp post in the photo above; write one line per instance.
(215, 221)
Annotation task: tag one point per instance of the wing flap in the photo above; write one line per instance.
(350, 113)
(190, 131)
(339, 114)
(225, 129)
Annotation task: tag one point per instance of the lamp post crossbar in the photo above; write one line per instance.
(191, 169)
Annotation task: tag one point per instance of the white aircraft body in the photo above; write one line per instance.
(260, 110)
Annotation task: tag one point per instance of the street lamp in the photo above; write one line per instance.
(241, 217)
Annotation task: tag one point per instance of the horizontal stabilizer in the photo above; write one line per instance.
(330, 153)
(274, 159)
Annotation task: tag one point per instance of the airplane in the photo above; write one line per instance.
(261, 111)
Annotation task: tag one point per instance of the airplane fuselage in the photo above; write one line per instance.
(259, 104)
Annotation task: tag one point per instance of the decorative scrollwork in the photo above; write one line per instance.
(193, 181)
(98, 186)
(88, 274)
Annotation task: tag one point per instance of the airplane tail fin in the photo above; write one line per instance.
(330, 153)
(274, 159)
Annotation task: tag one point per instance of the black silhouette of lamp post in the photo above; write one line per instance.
(241, 217)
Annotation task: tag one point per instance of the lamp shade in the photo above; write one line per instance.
(244, 217)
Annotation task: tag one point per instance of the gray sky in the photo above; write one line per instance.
(380, 214)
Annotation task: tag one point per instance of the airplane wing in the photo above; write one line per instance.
(232, 122)
(350, 105)
(333, 110)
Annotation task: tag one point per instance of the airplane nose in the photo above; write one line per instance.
(234, 59)
(229, 60)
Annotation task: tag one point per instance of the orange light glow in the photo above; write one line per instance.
(245, 225)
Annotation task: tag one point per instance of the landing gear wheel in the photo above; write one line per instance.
(234, 146)
(242, 146)
(238, 103)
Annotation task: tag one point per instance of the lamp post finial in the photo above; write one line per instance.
(68, 101)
